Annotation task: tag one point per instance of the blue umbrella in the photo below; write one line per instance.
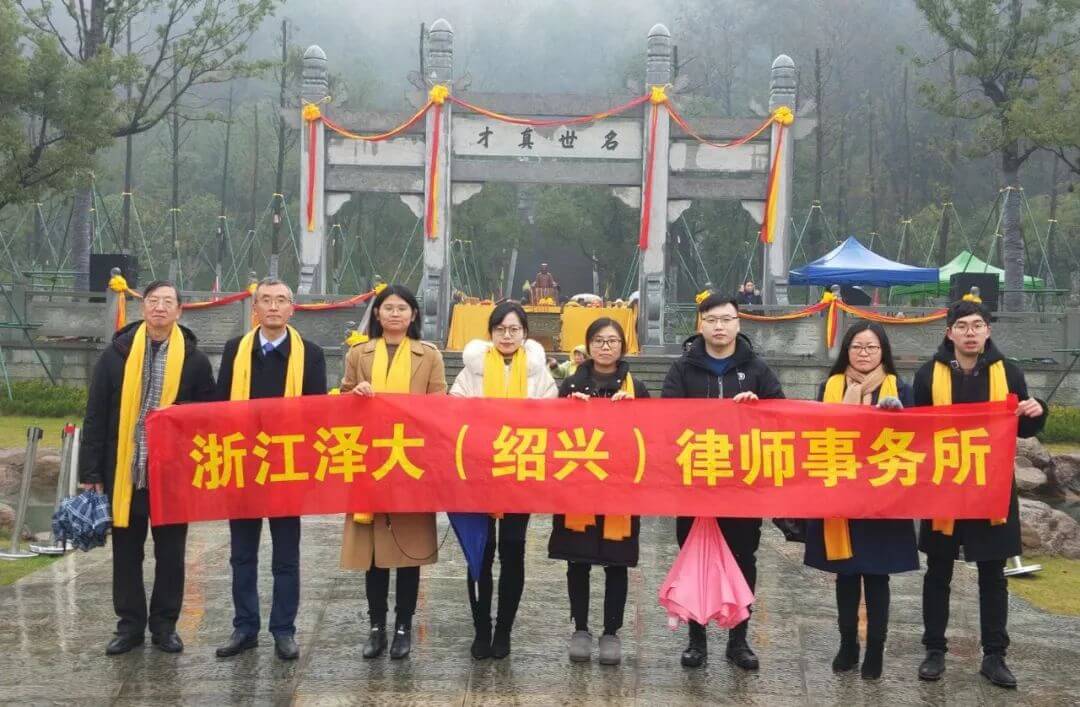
(472, 532)
(83, 520)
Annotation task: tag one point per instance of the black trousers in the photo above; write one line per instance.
(377, 585)
(743, 535)
(616, 581)
(511, 546)
(129, 593)
(849, 590)
(284, 563)
(993, 604)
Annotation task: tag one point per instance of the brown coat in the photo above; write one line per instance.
(393, 539)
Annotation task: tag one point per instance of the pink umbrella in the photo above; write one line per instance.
(705, 584)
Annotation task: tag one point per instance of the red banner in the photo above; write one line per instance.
(778, 458)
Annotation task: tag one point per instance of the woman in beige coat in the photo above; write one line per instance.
(376, 543)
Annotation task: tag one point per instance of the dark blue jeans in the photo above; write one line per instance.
(285, 564)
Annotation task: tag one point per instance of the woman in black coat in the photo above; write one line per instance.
(610, 541)
(863, 374)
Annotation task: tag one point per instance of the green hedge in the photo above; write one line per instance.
(43, 399)
(1063, 425)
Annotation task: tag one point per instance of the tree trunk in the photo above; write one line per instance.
(871, 179)
(279, 176)
(1013, 245)
(126, 232)
(841, 178)
(81, 235)
(819, 158)
(1051, 249)
(254, 192)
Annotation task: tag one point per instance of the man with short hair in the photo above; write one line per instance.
(148, 364)
(719, 362)
(968, 368)
(270, 361)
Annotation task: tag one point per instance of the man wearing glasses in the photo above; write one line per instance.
(719, 362)
(271, 361)
(968, 368)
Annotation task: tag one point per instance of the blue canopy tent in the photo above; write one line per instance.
(851, 263)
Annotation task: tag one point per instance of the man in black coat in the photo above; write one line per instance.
(721, 363)
(271, 347)
(97, 467)
(971, 357)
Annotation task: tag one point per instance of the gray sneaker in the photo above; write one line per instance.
(581, 647)
(610, 650)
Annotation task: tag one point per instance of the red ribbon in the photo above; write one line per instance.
(433, 176)
(646, 196)
(768, 226)
(311, 176)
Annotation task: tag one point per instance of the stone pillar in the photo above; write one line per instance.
(782, 87)
(435, 285)
(313, 243)
(658, 72)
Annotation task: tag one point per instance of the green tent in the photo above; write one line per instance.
(964, 262)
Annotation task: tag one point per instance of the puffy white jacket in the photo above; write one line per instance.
(470, 382)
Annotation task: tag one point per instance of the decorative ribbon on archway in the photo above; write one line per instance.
(436, 98)
(657, 98)
(783, 117)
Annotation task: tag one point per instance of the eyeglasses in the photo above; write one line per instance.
(868, 350)
(713, 321)
(964, 327)
(167, 302)
(391, 309)
(511, 331)
(606, 343)
(280, 300)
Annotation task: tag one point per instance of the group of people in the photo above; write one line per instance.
(156, 362)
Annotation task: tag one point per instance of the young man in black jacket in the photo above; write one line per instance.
(268, 350)
(158, 336)
(971, 370)
(719, 362)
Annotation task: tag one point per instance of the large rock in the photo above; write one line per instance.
(1066, 471)
(46, 472)
(1031, 481)
(1033, 451)
(7, 518)
(1047, 531)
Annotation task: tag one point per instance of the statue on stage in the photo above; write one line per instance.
(545, 286)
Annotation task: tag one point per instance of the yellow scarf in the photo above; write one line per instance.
(837, 532)
(941, 390)
(294, 371)
(130, 401)
(615, 527)
(500, 383)
(389, 377)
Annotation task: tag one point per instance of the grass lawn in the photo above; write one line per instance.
(12, 570)
(13, 430)
(1055, 589)
(1057, 447)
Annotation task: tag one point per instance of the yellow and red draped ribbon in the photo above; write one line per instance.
(311, 115)
(782, 117)
(681, 122)
(833, 303)
(657, 98)
(885, 319)
(436, 98)
(551, 122)
(119, 285)
(220, 302)
(343, 304)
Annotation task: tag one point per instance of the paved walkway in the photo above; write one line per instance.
(54, 625)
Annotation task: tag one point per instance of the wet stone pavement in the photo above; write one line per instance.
(54, 625)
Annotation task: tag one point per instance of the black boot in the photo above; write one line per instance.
(874, 658)
(697, 651)
(402, 643)
(994, 669)
(740, 653)
(933, 666)
(500, 641)
(376, 642)
(847, 658)
(481, 645)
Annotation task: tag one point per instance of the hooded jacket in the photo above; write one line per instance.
(97, 450)
(690, 376)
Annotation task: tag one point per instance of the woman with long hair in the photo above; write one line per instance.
(394, 359)
(863, 553)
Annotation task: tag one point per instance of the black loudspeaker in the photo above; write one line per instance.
(855, 296)
(961, 283)
(101, 264)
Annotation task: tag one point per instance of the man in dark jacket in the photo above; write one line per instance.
(158, 337)
(268, 350)
(721, 363)
(971, 361)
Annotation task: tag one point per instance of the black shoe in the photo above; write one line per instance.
(237, 644)
(933, 666)
(739, 653)
(847, 658)
(167, 642)
(500, 643)
(376, 642)
(697, 651)
(994, 669)
(402, 643)
(124, 643)
(874, 659)
(481, 645)
(286, 648)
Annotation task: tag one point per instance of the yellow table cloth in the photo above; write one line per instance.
(576, 320)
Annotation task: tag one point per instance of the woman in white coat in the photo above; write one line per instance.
(509, 366)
